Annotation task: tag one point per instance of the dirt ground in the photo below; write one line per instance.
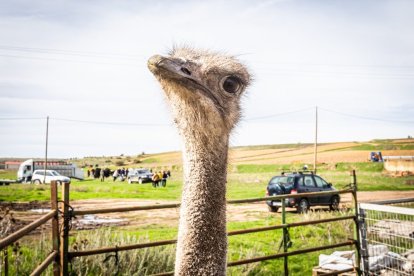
(25, 213)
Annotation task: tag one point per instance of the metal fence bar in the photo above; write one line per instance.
(42, 267)
(357, 235)
(6, 262)
(55, 226)
(74, 254)
(276, 256)
(289, 225)
(388, 209)
(64, 236)
(393, 201)
(25, 230)
(176, 205)
(291, 253)
(249, 200)
(124, 209)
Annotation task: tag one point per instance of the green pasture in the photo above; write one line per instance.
(244, 181)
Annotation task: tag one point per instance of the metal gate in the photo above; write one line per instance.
(387, 239)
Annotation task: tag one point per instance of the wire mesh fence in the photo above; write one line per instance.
(387, 239)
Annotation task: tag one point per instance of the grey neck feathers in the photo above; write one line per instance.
(202, 240)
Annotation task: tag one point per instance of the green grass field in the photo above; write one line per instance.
(245, 180)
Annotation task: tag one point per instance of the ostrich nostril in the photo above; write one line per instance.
(185, 71)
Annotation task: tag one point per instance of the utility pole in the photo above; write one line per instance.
(315, 153)
(47, 138)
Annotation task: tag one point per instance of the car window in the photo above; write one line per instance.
(282, 180)
(308, 181)
(39, 173)
(320, 183)
(49, 174)
(55, 173)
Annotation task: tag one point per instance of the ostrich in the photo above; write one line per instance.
(204, 90)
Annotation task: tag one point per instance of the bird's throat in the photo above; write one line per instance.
(203, 210)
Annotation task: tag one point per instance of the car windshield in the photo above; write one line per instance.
(282, 180)
(143, 171)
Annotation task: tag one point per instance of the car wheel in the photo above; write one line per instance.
(334, 206)
(272, 209)
(303, 206)
(59, 182)
(129, 181)
(37, 181)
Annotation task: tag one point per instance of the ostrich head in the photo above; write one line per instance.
(203, 88)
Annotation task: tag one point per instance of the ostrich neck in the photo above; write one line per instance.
(202, 238)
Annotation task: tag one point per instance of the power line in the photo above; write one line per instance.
(107, 122)
(69, 52)
(22, 118)
(134, 55)
(364, 117)
(278, 114)
(114, 123)
(67, 60)
(338, 65)
(396, 75)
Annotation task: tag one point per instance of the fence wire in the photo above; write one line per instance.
(387, 240)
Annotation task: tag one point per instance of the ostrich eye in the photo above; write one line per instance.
(231, 84)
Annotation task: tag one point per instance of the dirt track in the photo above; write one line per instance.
(169, 217)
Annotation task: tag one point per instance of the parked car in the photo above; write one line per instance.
(297, 183)
(39, 177)
(140, 176)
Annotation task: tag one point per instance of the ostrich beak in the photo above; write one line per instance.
(173, 68)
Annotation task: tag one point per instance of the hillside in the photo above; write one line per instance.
(269, 154)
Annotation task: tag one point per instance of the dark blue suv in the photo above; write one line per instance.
(297, 183)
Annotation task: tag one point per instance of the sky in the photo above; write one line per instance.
(83, 64)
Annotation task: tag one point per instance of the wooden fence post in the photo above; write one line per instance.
(64, 235)
(55, 226)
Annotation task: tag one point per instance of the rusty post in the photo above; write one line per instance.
(55, 226)
(6, 261)
(285, 239)
(64, 235)
(356, 227)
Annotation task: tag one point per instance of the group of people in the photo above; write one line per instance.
(96, 172)
(122, 174)
(160, 178)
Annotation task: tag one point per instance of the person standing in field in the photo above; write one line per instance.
(164, 179)
(115, 174)
(155, 179)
